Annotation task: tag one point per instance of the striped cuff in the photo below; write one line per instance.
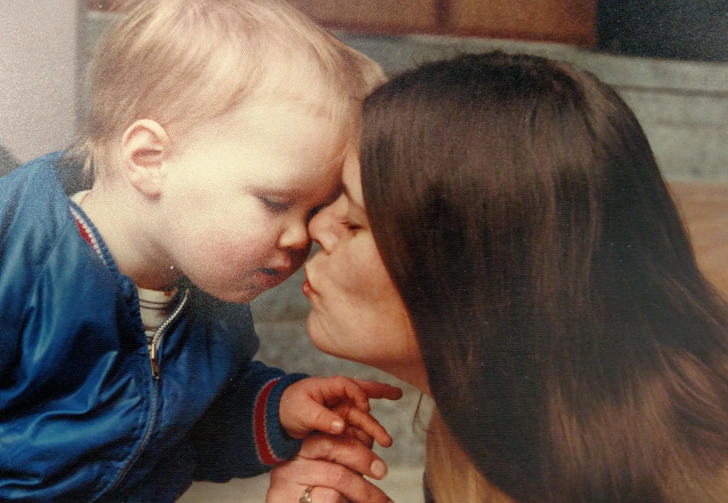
(272, 442)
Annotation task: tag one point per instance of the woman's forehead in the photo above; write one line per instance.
(351, 178)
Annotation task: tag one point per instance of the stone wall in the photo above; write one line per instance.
(682, 105)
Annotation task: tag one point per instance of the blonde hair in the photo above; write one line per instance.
(451, 475)
(179, 62)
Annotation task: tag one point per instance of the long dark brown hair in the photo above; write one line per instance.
(572, 346)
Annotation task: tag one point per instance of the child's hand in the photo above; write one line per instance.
(306, 405)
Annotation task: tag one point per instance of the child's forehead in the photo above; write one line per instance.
(281, 130)
(305, 91)
(301, 77)
(278, 110)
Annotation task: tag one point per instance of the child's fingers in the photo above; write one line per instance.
(360, 391)
(360, 435)
(363, 437)
(333, 390)
(367, 424)
(308, 404)
(375, 389)
(357, 393)
(328, 421)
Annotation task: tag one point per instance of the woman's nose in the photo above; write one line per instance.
(322, 228)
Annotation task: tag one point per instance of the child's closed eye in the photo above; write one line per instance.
(274, 205)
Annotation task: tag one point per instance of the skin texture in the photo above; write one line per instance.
(575, 351)
(331, 404)
(351, 292)
(225, 204)
(322, 463)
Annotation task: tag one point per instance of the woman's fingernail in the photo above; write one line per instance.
(378, 469)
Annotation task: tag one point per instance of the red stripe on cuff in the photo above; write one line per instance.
(265, 453)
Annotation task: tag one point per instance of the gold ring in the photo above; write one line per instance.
(305, 495)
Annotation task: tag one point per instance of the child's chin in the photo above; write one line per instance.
(265, 280)
(237, 295)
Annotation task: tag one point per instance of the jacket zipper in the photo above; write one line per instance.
(154, 359)
(157, 338)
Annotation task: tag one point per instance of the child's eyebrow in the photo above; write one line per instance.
(278, 191)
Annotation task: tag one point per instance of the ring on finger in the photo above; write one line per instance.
(305, 495)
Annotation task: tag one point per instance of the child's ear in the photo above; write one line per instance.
(144, 147)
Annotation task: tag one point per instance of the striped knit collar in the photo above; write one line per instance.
(90, 234)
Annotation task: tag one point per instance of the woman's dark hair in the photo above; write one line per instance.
(572, 346)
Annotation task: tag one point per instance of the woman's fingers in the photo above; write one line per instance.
(332, 466)
(326, 495)
(328, 480)
(343, 450)
(375, 389)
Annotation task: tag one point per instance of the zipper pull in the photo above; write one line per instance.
(157, 339)
(154, 360)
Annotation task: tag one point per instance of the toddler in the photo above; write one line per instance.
(217, 129)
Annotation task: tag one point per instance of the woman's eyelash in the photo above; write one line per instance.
(350, 225)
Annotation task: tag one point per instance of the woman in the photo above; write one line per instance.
(509, 246)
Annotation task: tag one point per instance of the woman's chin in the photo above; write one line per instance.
(318, 335)
(328, 342)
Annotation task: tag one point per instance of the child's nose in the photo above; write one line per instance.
(295, 236)
(322, 228)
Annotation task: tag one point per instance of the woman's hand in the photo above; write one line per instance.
(332, 466)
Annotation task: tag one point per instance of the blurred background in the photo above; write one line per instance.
(667, 58)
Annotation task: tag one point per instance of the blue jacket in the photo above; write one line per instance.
(82, 417)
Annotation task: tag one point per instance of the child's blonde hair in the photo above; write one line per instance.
(180, 62)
